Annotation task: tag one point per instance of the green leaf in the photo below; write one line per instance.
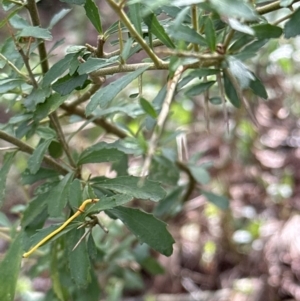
(46, 132)
(43, 173)
(59, 16)
(187, 34)
(106, 203)
(231, 92)
(58, 196)
(163, 170)
(34, 98)
(68, 83)
(92, 13)
(78, 261)
(8, 84)
(210, 34)
(75, 194)
(220, 201)
(168, 205)
(4, 21)
(258, 88)
(155, 28)
(93, 64)
(291, 27)
(100, 152)
(235, 9)
(36, 32)
(4, 221)
(240, 71)
(215, 100)
(199, 88)
(35, 160)
(34, 209)
(146, 228)
(10, 267)
(135, 17)
(57, 69)
(108, 93)
(130, 185)
(148, 108)
(267, 31)
(200, 174)
(6, 164)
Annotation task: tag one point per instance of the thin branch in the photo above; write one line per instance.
(228, 39)
(222, 94)
(107, 126)
(161, 120)
(85, 96)
(283, 19)
(35, 19)
(125, 20)
(29, 150)
(14, 67)
(271, 7)
(195, 24)
(206, 107)
(192, 182)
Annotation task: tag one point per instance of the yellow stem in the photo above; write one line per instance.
(64, 225)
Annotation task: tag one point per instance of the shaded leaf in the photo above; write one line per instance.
(41, 174)
(93, 64)
(10, 267)
(68, 83)
(92, 13)
(146, 228)
(108, 93)
(267, 31)
(100, 152)
(258, 88)
(220, 201)
(135, 17)
(75, 194)
(59, 16)
(199, 88)
(130, 185)
(36, 159)
(77, 2)
(78, 261)
(8, 84)
(200, 174)
(155, 28)
(231, 92)
(147, 107)
(106, 203)
(36, 32)
(6, 164)
(210, 34)
(291, 27)
(163, 170)
(58, 196)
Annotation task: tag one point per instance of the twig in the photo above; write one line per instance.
(29, 150)
(161, 120)
(283, 18)
(34, 15)
(192, 182)
(195, 23)
(206, 107)
(222, 94)
(271, 7)
(14, 67)
(125, 20)
(107, 126)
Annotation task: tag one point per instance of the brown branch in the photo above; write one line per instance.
(29, 150)
(107, 126)
(271, 7)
